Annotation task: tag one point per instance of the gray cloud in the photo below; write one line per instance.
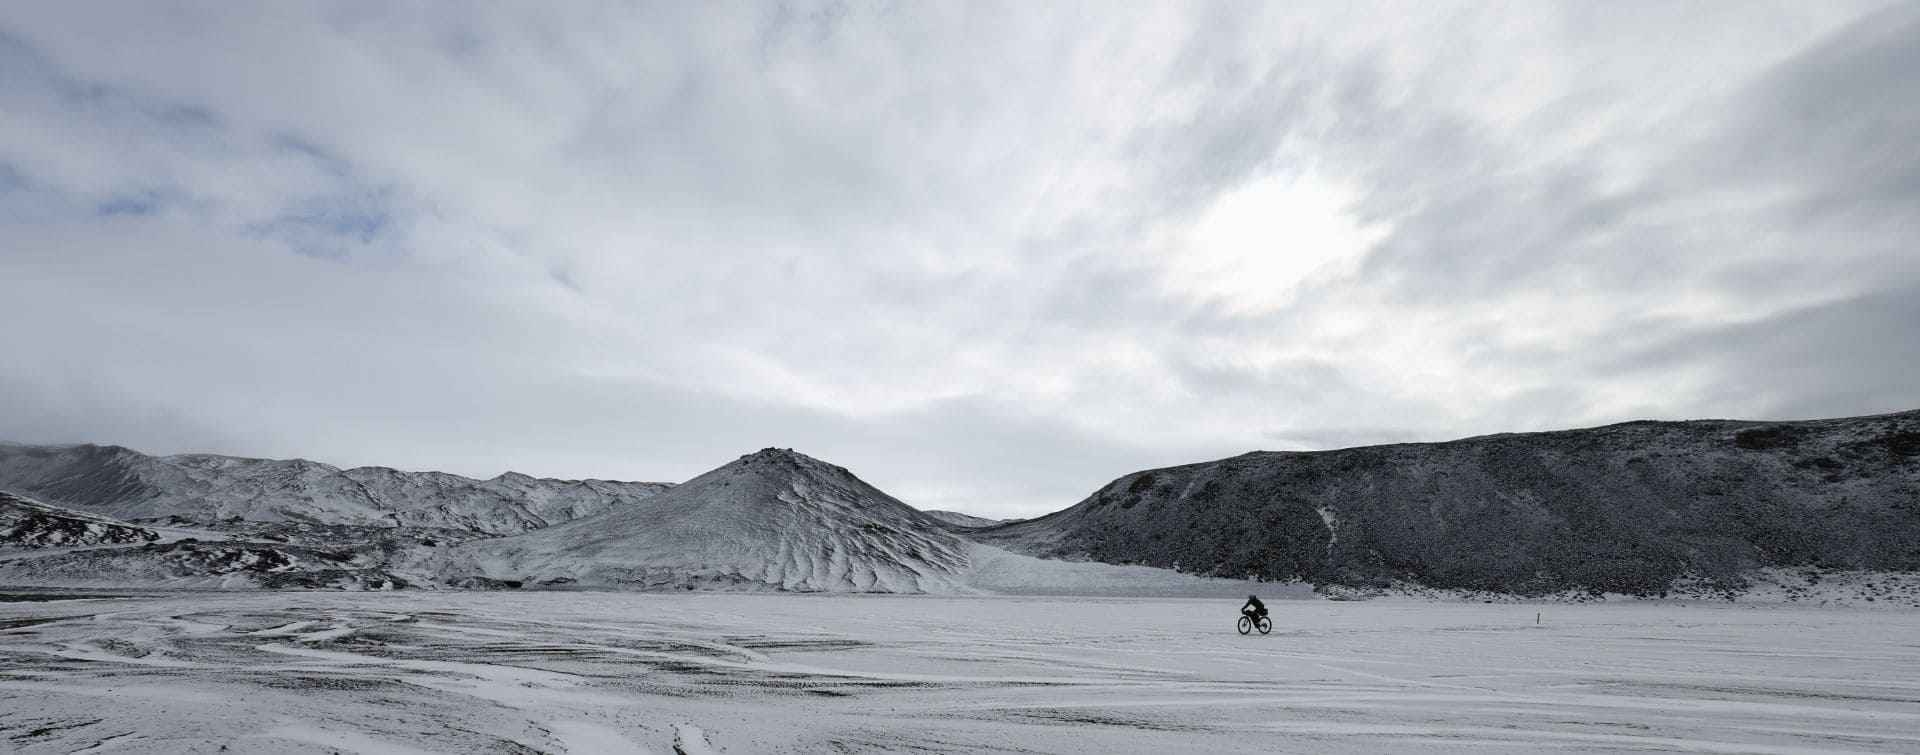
(951, 247)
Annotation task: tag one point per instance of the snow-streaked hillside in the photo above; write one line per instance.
(1638, 508)
(27, 523)
(193, 563)
(126, 484)
(774, 520)
(49, 546)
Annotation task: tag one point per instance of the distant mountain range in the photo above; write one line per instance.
(1639, 508)
(106, 516)
(126, 484)
(958, 519)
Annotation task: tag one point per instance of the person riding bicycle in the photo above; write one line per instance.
(1254, 609)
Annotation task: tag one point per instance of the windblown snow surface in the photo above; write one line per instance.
(578, 672)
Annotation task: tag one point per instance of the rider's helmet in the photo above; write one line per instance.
(1250, 597)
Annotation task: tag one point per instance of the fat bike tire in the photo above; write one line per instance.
(1265, 624)
(1246, 625)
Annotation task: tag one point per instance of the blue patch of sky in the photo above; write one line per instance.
(24, 197)
(563, 277)
(138, 116)
(138, 202)
(332, 226)
(461, 42)
(12, 180)
(812, 21)
(17, 58)
(334, 223)
(178, 116)
(327, 161)
(23, 65)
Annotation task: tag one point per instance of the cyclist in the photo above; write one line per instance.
(1254, 609)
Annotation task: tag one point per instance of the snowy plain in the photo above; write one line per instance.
(597, 672)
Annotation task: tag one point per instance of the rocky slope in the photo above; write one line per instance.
(49, 546)
(1639, 508)
(27, 523)
(203, 488)
(774, 520)
(194, 563)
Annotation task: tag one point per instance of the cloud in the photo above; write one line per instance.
(988, 256)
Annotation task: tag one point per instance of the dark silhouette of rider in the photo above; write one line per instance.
(1254, 609)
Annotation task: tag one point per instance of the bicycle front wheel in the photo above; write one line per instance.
(1265, 624)
(1246, 625)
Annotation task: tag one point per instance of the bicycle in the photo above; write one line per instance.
(1248, 624)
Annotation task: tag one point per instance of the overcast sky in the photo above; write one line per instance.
(987, 256)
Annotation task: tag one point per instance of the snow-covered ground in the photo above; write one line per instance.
(591, 672)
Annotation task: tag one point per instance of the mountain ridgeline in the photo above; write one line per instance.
(963, 521)
(1641, 508)
(1634, 508)
(122, 483)
(106, 516)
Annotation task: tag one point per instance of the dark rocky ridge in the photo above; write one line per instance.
(1631, 508)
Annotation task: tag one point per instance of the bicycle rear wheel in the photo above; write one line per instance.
(1246, 625)
(1265, 624)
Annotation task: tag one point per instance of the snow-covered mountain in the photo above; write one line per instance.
(205, 488)
(958, 519)
(1638, 508)
(774, 519)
